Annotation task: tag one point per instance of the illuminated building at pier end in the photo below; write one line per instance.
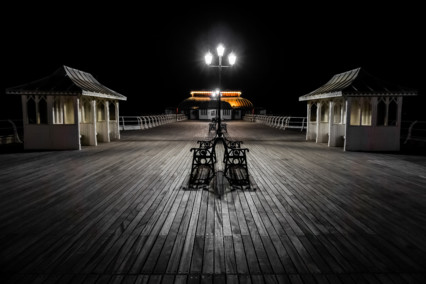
(203, 105)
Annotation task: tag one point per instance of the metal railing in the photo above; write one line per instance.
(280, 122)
(414, 131)
(10, 131)
(148, 121)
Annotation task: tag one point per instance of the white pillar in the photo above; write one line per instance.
(331, 129)
(308, 116)
(348, 121)
(117, 118)
(319, 106)
(76, 119)
(93, 139)
(107, 137)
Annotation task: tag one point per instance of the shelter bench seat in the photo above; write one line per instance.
(224, 127)
(203, 160)
(212, 126)
(235, 159)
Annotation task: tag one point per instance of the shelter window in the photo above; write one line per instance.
(387, 112)
(324, 112)
(366, 111)
(86, 112)
(57, 111)
(63, 110)
(100, 111)
(361, 111)
(355, 112)
(32, 110)
(69, 110)
(203, 112)
(337, 113)
(42, 110)
(381, 112)
(392, 112)
(313, 113)
(37, 110)
(112, 115)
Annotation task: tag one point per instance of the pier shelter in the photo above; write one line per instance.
(357, 111)
(68, 109)
(203, 105)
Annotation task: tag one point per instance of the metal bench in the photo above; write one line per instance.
(235, 159)
(212, 126)
(204, 144)
(202, 170)
(224, 127)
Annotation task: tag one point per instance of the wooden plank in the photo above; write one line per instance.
(111, 212)
(240, 255)
(208, 255)
(219, 255)
(197, 255)
(202, 218)
(176, 252)
(188, 246)
(229, 255)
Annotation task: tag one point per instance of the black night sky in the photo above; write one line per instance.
(154, 55)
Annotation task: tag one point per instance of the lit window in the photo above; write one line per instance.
(69, 110)
(100, 111)
(361, 111)
(355, 112)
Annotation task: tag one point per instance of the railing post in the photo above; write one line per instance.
(122, 121)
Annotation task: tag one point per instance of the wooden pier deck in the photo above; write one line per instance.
(120, 213)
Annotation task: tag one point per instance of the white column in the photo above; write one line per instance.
(117, 118)
(107, 138)
(348, 121)
(331, 128)
(76, 119)
(319, 106)
(308, 128)
(93, 140)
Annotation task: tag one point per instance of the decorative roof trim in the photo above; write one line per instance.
(42, 93)
(356, 83)
(321, 96)
(102, 95)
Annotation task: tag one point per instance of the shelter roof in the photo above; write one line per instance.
(357, 82)
(66, 81)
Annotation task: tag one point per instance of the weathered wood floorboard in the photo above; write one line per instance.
(121, 212)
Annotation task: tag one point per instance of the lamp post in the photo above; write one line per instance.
(209, 58)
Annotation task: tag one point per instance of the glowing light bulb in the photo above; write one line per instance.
(208, 58)
(232, 58)
(220, 50)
